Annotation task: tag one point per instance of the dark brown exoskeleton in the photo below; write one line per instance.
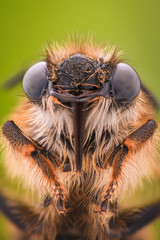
(85, 135)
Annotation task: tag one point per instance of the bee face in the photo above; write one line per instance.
(83, 135)
(83, 77)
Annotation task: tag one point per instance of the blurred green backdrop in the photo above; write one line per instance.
(25, 26)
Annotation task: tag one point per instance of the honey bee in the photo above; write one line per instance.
(84, 134)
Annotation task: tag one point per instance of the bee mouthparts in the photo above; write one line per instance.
(78, 123)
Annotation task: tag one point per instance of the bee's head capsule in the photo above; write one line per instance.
(78, 73)
(80, 79)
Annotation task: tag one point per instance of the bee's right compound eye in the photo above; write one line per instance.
(35, 80)
(125, 82)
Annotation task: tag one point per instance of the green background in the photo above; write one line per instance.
(25, 27)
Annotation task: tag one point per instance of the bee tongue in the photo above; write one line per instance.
(78, 124)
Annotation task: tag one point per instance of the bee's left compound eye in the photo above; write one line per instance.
(125, 82)
(35, 80)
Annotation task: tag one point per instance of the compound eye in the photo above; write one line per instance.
(35, 80)
(125, 82)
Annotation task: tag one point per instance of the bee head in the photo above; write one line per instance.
(78, 78)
